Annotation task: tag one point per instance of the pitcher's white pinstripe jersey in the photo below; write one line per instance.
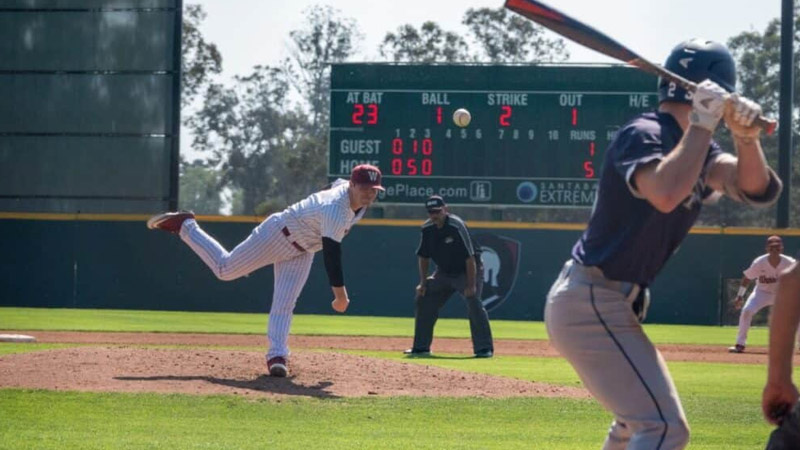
(287, 240)
(322, 214)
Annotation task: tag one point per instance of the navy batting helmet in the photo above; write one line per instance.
(697, 60)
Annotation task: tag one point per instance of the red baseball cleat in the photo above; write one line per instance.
(278, 367)
(170, 221)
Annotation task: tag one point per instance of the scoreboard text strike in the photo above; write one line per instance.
(537, 136)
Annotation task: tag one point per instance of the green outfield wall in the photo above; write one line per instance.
(113, 261)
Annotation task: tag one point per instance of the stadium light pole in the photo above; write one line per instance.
(175, 132)
(785, 111)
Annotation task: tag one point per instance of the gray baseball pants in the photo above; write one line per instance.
(439, 288)
(591, 322)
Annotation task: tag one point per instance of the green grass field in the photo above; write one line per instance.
(183, 322)
(721, 400)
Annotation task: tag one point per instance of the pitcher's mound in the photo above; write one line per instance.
(313, 374)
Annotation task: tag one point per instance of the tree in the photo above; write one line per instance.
(326, 38)
(429, 44)
(498, 37)
(758, 68)
(199, 188)
(305, 167)
(504, 37)
(200, 60)
(248, 130)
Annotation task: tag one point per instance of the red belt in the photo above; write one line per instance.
(286, 233)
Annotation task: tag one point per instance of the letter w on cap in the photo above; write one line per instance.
(372, 175)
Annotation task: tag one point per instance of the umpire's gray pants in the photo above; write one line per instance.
(590, 322)
(438, 290)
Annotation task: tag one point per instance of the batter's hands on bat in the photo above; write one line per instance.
(708, 105)
(777, 400)
(740, 116)
(340, 304)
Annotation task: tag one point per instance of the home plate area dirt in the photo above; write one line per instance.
(116, 362)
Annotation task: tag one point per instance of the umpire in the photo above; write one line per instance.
(446, 240)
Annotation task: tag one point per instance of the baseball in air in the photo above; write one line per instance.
(461, 117)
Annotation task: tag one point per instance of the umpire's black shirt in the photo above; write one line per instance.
(449, 246)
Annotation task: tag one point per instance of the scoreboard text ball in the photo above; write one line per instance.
(537, 134)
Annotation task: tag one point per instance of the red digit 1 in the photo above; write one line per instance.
(438, 115)
(372, 114)
(358, 112)
(505, 115)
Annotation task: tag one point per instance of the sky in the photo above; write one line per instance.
(252, 32)
(256, 32)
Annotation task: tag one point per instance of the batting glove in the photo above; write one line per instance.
(740, 115)
(708, 105)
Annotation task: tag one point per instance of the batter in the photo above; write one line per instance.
(658, 170)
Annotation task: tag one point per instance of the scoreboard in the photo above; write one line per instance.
(537, 137)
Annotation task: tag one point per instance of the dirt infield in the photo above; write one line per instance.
(699, 353)
(313, 374)
(115, 362)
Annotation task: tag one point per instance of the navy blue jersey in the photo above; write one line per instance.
(628, 238)
(449, 246)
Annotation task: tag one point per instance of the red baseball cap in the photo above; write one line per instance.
(367, 174)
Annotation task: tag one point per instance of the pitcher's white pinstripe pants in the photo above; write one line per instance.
(266, 245)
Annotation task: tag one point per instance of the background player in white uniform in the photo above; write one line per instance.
(287, 240)
(657, 173)
(765, 270)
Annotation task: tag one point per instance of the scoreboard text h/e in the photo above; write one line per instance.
(536, 135)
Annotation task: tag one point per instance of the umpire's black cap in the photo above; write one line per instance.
(434, 203)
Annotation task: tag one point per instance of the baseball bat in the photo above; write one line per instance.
(589, 37)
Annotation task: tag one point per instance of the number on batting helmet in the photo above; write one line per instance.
(697, 60)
